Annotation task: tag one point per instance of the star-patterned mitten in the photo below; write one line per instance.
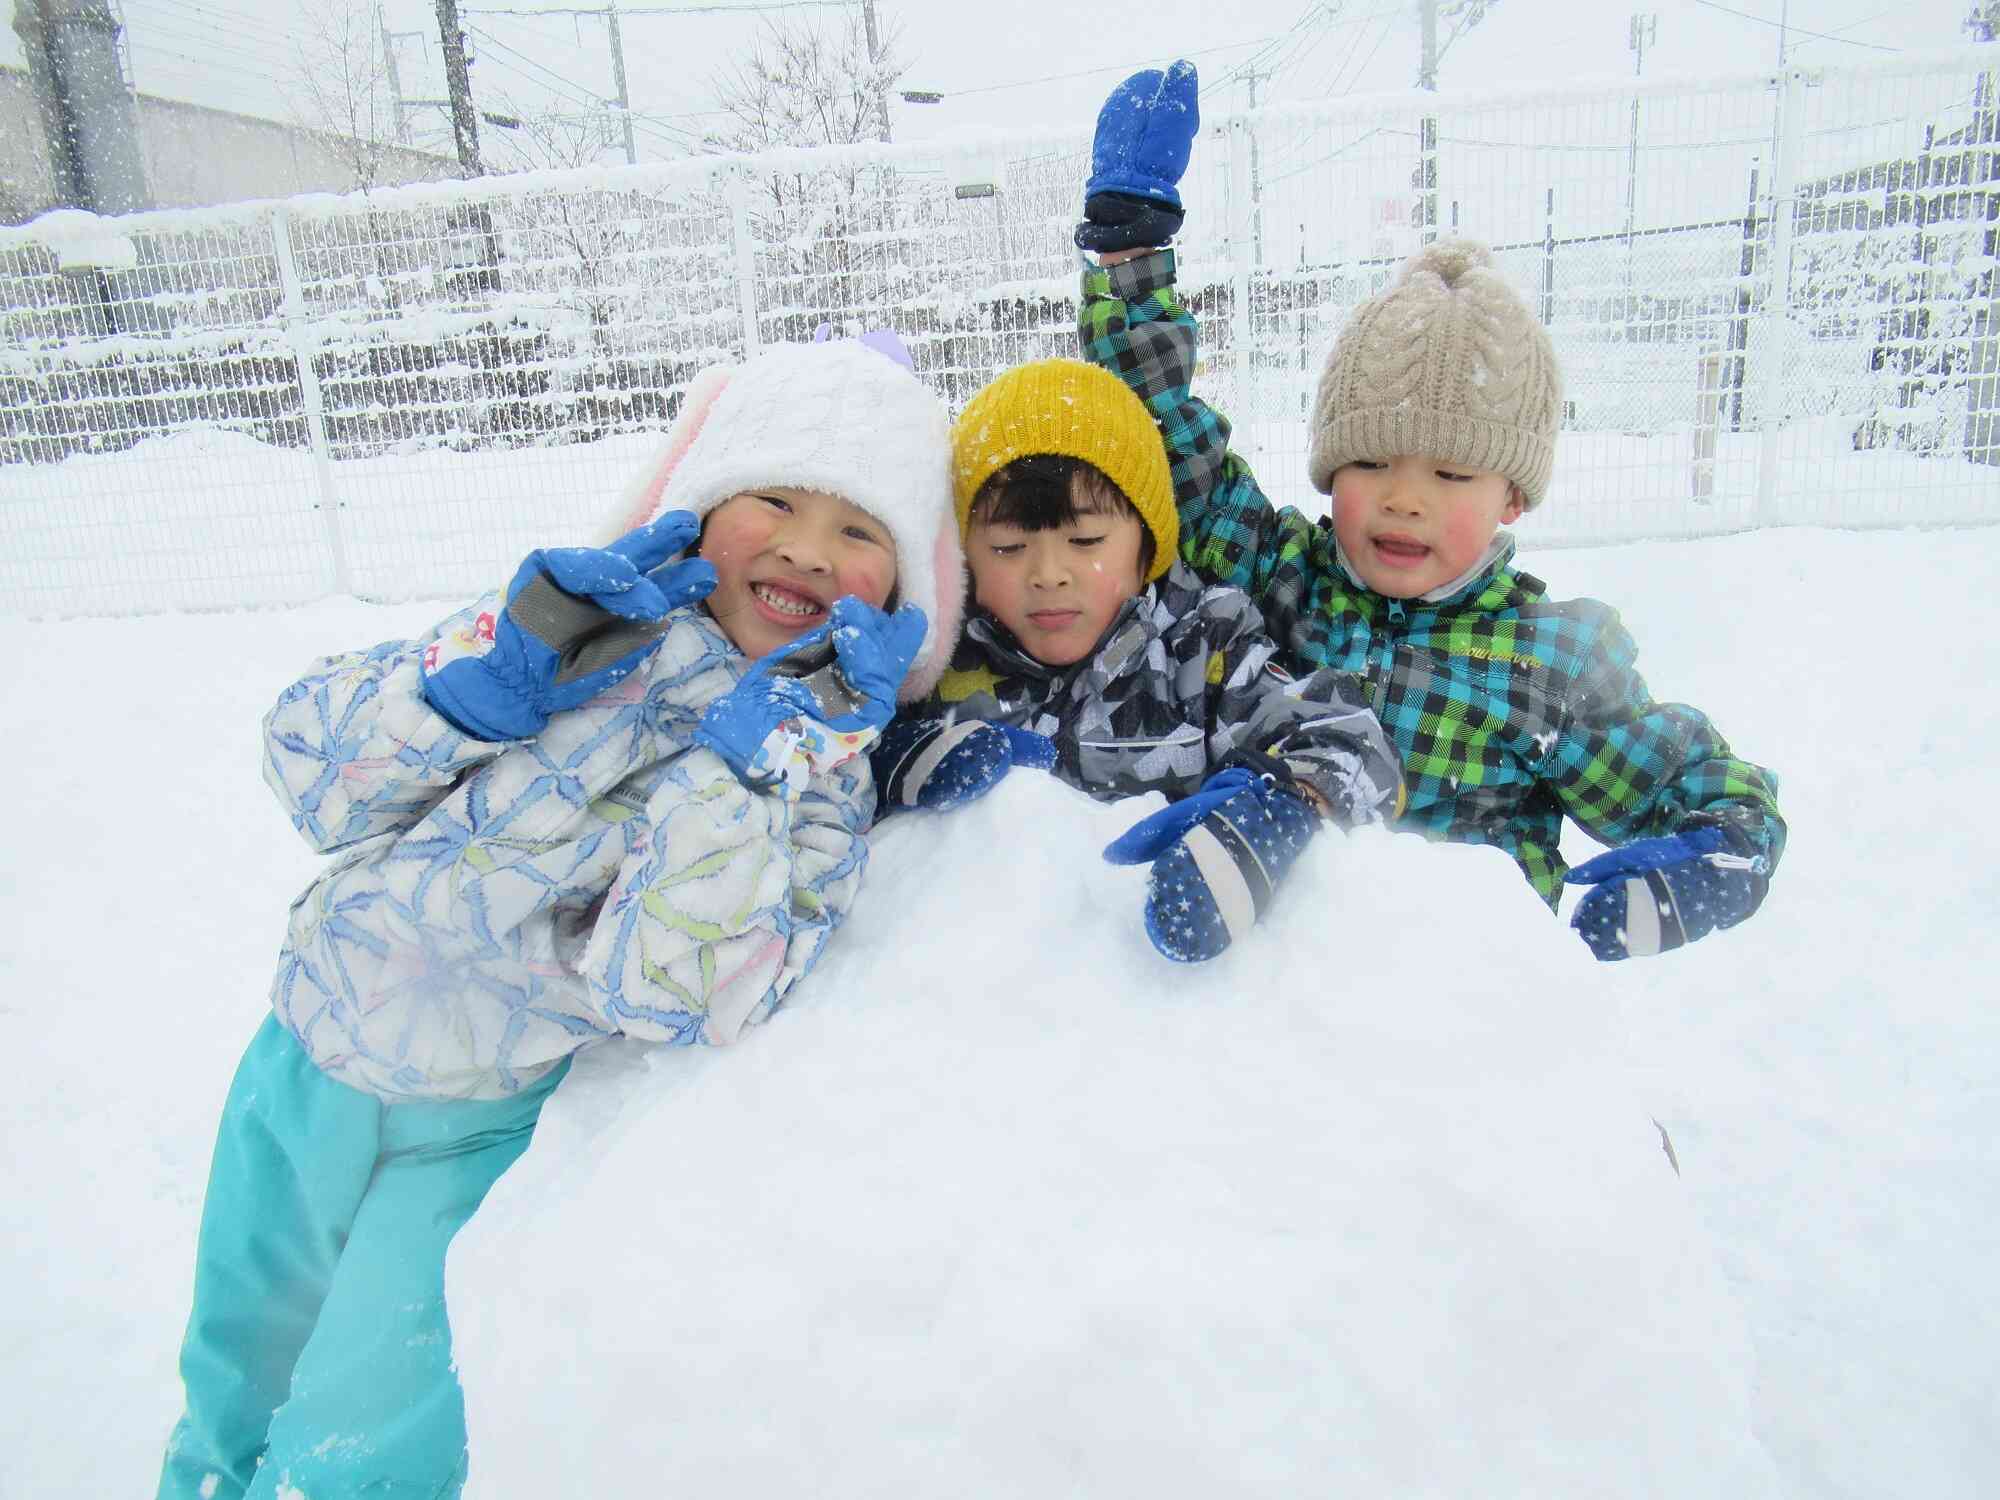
(1226, 856)
(937, 765)
(1655, 895)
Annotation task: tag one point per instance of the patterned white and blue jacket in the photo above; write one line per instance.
(499, 906)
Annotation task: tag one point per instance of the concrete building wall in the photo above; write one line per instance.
(196, 156)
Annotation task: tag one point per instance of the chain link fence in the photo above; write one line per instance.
(1773, 296)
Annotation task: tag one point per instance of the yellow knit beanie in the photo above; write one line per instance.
(1067, 407)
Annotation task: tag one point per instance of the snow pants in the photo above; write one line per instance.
(317, 1359)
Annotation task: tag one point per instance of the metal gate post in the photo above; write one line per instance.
(301, 341)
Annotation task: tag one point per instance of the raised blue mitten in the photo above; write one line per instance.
(1654, 895)
(840, 677)
(575, 620)
(936, 764)
(1216, 863)
(1145, 132)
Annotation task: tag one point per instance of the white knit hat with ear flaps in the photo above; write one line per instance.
(838, 417)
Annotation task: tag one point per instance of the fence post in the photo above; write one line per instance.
(1239, 217)
(301, 340)
(746, 257)
(1772, 326)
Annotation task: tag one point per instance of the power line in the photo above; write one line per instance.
(668, 10)
(1025, 83)
(1823, 36)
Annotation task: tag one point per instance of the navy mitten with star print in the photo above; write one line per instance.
(1653, 895)
(1217, 857)
(939, 764)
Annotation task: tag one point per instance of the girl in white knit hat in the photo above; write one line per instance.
(625, 797)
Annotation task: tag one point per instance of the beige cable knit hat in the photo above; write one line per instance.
(1448, 363)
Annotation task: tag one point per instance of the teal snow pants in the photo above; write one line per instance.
(318, 1356)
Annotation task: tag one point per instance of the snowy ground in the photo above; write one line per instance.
(1310, 1177)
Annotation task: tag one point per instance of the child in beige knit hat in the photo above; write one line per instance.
(1433, 429)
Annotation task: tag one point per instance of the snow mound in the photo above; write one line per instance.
(1005, 1204)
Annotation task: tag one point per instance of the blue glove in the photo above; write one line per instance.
(1653, 895)
(1145, 132)
(852, 689)
(576, 619)
(1217, 857)
(938, 765)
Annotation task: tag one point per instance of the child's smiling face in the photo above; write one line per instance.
(782, 555)
(1415, 523)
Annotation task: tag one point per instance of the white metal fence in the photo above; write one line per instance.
(1774, 298)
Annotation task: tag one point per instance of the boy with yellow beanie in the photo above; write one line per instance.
(1434, 428)
(1090, 651)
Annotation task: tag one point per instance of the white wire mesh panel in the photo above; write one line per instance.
(149, 423)
(1773, 299)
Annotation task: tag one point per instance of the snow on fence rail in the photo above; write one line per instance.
(1774, 297)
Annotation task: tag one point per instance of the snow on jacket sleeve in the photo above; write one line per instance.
(1131, 323)
(354, 749)
(1626, 767)
(727, 906)
(1320, 725)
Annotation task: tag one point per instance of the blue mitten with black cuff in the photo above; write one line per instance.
(1145, 132)
(939, 764)
(821, 698)
(575, 620)
(1217, 857)
(1654, 895)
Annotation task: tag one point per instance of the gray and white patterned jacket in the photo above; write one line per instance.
(1184, 677)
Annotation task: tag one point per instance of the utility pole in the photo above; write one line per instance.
(1637, 37)
(71, 49)
(458, 84)
(1251, 77)
(618, 76)
(874, 58)
(1427, 145)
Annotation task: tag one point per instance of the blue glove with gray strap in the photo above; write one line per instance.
(1654, 895)
(576, 620)
(1217, 856)
(939, 764)
(825, 694)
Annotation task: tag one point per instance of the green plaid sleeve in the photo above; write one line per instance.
(1626, 767)
(1132, 323)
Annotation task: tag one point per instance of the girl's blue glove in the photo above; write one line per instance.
(1217, 857)
(1653, 895)
(575, 620)
(1145, 132)
(937, 765)
(821, 693)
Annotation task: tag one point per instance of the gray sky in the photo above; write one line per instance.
(1016, 61)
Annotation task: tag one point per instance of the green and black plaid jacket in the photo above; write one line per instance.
(1509, 710)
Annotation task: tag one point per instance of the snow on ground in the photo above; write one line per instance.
(1127, 1217)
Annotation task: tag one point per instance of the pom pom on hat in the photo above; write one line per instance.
(1448, 363)
(840, 416)
(1066, 407)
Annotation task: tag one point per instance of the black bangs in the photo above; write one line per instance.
(1047, 490)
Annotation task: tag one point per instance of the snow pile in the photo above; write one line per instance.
(1007, 1204)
